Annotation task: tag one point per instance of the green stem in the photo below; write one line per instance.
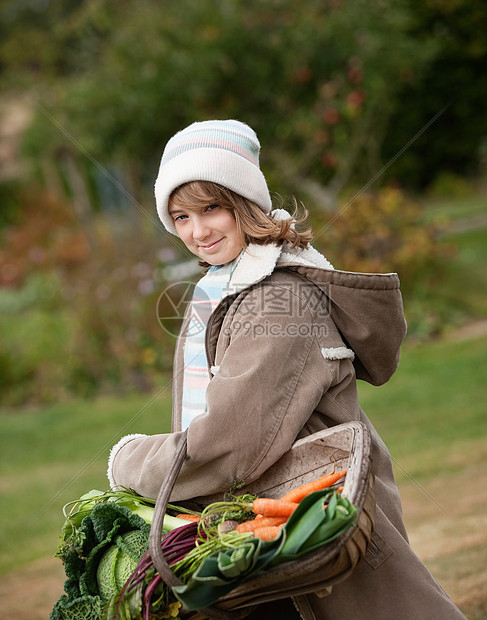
(171, 523)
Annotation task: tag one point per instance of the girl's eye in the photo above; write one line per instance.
(179, 218)
(211, 207)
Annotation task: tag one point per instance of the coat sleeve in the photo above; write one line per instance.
(270, 379)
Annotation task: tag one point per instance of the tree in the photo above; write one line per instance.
(318, 82)
(455, 77)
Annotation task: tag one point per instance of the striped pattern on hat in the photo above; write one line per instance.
(224, 152)
(227, 135)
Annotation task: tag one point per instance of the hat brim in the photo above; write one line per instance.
(215, 165)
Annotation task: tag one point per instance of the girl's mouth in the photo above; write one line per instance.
(210, 246)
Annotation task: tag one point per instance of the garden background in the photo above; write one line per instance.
(371, 113)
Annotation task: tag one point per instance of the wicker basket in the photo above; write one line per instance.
(346, 446)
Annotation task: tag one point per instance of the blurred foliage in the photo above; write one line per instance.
(318, 82)
(78, 314)
(386, 231)
(46, 236)
(448, 184)
(334, 88)
(10, 192)
(456, 143)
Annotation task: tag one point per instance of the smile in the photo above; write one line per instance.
(210, 246)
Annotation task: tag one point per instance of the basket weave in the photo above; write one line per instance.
(346, 446)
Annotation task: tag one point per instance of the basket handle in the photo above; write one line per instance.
(155, 548)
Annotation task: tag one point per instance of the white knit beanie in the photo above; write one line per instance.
(224, 152)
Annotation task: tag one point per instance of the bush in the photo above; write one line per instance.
(450, 185)
(78, 311)
(35, 338)
(78, 307)
(385, 232)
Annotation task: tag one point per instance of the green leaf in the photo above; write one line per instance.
(82, 608)
(225, 570)
(345, 516)
(237, 562)
(309, 515)
(311, 526)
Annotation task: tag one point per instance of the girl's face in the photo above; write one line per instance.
(209, 231)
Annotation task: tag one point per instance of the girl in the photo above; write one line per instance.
(269, 352)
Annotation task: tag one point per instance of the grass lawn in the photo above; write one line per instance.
(431, 414)
(464, 283)
(434, 407)
(52, 455)
(455, 208)
(436, 304)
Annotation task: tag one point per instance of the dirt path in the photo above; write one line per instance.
(30, 593)
(472, 329)
(448, 531)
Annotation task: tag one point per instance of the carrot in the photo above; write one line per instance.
(259, 521)
(186, 517)
(267, 533)
(273, 507)
(297, 494)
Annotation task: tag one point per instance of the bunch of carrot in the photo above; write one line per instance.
(272, 514)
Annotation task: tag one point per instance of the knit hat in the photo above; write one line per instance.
(224, 152)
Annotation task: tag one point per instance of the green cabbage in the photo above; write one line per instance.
(102, 535)
(119, 562)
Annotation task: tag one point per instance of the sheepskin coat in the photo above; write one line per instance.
(284, 348)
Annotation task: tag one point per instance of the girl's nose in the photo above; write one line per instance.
(201, 230)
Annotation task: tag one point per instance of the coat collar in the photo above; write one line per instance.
(259, 261)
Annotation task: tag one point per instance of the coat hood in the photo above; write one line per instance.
(367, 308)
(368, 311)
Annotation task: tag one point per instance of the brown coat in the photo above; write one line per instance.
(285, 350)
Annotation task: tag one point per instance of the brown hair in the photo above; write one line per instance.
(253, 225)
